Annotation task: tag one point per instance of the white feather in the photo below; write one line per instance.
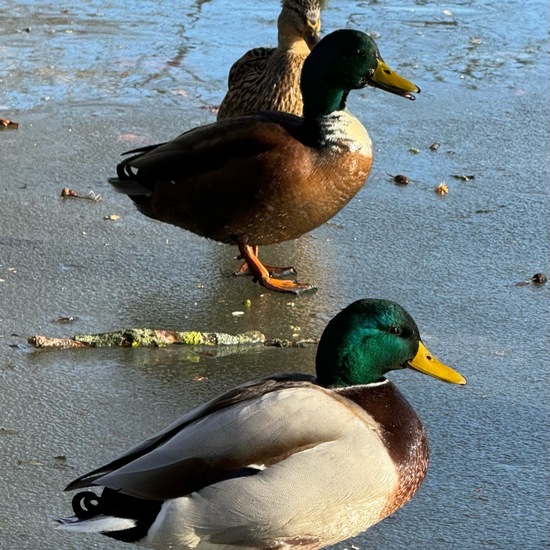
(100, 524)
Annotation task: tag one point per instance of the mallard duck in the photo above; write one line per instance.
(266, 79)
(269, 177)
(290, 460)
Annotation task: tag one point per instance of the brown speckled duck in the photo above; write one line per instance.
(287, 461)
(266, 79)
(269, 177)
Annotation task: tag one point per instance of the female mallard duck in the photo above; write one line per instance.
(266, 79)
(269, 177)
(288, 460)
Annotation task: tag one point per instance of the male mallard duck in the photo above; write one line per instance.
(268, 79)
(285, 461)
(269, 177)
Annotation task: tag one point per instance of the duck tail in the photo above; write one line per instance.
(114, 514)
(90, 516)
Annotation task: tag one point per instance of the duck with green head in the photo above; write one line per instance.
(269, 177)
(285, 461)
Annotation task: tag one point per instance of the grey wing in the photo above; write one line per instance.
(244, 392)
(214, 444)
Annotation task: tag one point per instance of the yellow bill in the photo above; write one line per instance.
(426, 363)
(388, 80)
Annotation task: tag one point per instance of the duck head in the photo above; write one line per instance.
(346, 60)
(370, 338)
(299, 20)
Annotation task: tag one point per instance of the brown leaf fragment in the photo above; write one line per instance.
(399, 179)
(539, 279)
(442, 189)
(6, 124)
(68, 192)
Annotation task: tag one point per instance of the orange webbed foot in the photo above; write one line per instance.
(274, 271)
(266, 275)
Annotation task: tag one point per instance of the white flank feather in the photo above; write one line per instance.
(101, 524)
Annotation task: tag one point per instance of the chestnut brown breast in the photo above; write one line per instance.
(256, 183)
(402, 432)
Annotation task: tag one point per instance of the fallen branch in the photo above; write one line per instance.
(158, 338)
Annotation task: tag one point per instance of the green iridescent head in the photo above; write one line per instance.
(346, 60)
(370, 338)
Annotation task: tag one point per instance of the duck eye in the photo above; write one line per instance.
(395, 330)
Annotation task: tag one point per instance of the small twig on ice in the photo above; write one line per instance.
(147, 337)
(157, 338)
(67, 192)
